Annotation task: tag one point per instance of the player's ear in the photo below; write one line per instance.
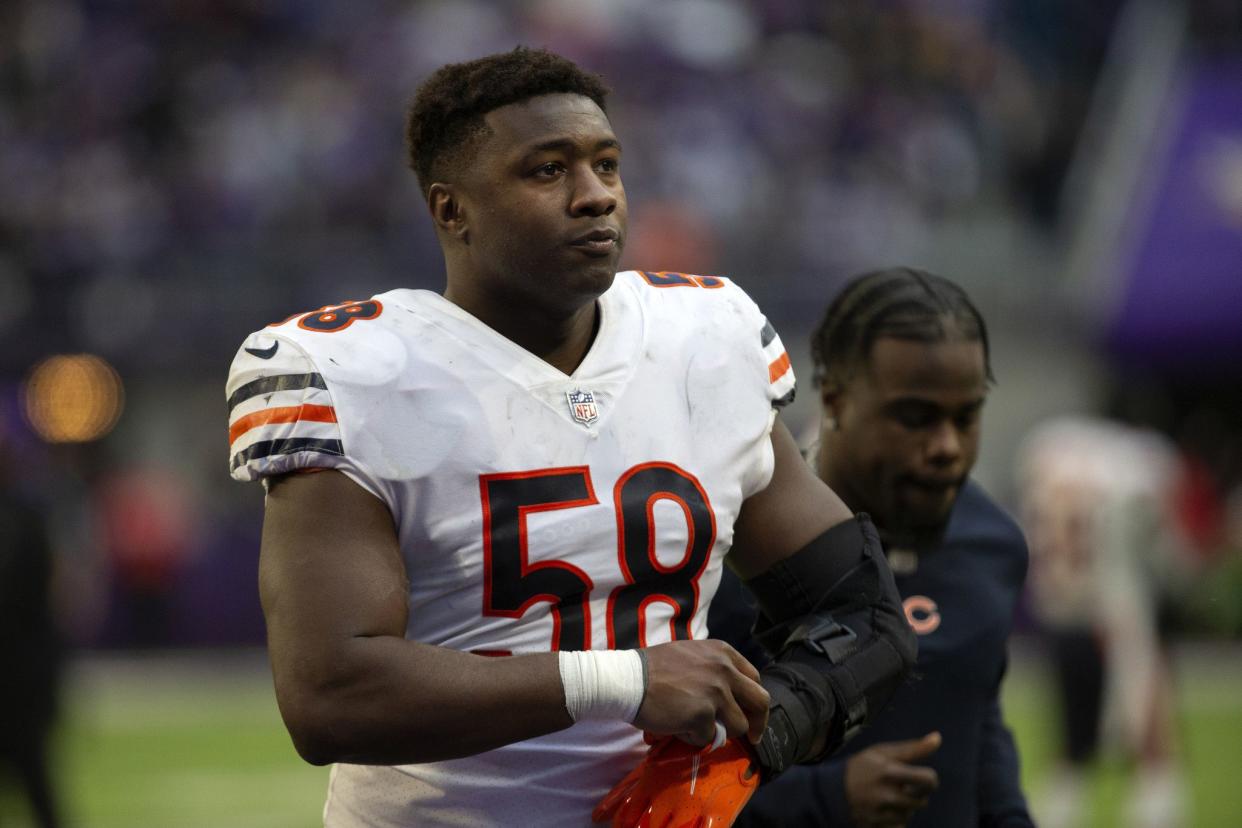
(829, 394)
(829, 400)
(447, 210)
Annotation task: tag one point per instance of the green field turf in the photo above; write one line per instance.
(179, 742)
(1209, 687)
(195, 741)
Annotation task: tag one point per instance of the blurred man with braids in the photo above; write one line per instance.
(527, 488)
(903, 369)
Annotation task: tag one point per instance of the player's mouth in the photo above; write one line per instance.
(933, 484)
(932, 488)
(600, 242)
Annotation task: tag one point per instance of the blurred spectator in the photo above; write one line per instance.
(231, 155)
(176, 174)
(1099, 500)
(30, 652)
(146, 532)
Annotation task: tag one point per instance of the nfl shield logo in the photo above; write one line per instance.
(582, 406)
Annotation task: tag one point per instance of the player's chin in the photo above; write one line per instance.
(592, 277)
(927, 510)
(917, 530)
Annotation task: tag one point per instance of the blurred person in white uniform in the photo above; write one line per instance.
(1096, 501)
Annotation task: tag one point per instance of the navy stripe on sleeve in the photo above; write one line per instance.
(293, 445)
(767, 334)
(280, 382)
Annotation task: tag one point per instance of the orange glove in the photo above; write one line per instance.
(680, 786)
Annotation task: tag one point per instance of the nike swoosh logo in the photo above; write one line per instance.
(264, 353)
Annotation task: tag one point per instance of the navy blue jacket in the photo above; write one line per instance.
(961, 600)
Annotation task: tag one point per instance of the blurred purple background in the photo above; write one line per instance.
(177, 174)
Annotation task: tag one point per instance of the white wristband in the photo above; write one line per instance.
(603, 684)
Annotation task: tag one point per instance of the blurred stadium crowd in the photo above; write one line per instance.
(176, 174)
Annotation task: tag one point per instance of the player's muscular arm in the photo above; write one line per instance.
(830, 611)
(349, 686)
(794, 509)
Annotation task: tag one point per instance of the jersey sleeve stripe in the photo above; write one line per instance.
(287, 414)
(778, 367)
(280, 399)
(279, 382)
(269, 448)
(767, 334)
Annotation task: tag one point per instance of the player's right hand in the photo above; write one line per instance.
(691, 685)
(883, 788)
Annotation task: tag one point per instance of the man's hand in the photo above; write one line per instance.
(883, 788)
(691, 685)
(684, 786)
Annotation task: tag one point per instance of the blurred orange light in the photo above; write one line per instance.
(73, 398)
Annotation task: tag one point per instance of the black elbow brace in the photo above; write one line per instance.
(832, 618)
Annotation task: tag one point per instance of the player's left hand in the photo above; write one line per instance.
(883, 784)
(683, 785)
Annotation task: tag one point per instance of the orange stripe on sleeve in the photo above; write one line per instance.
(288, 414)
(778, 367)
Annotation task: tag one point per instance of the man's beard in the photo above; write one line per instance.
(916, 537)
(919, 530)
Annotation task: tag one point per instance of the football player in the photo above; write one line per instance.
(903, 368)
(496, 515)
(1097, 499)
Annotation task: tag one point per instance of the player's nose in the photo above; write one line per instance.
(944, 445)
(592, 196)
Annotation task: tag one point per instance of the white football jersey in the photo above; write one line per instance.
(535, 510)
(1097, 501)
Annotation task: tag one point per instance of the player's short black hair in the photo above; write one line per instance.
(446, 115)
(899, 302)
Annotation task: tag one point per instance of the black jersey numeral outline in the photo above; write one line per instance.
(646, 579)
(511, 584)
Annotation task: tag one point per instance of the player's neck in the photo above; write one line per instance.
(559, 339)
(562, 346)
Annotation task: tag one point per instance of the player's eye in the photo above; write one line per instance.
(548, 170)
(608, 165)
(914, 420)
(915, 416)
(967, 418)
